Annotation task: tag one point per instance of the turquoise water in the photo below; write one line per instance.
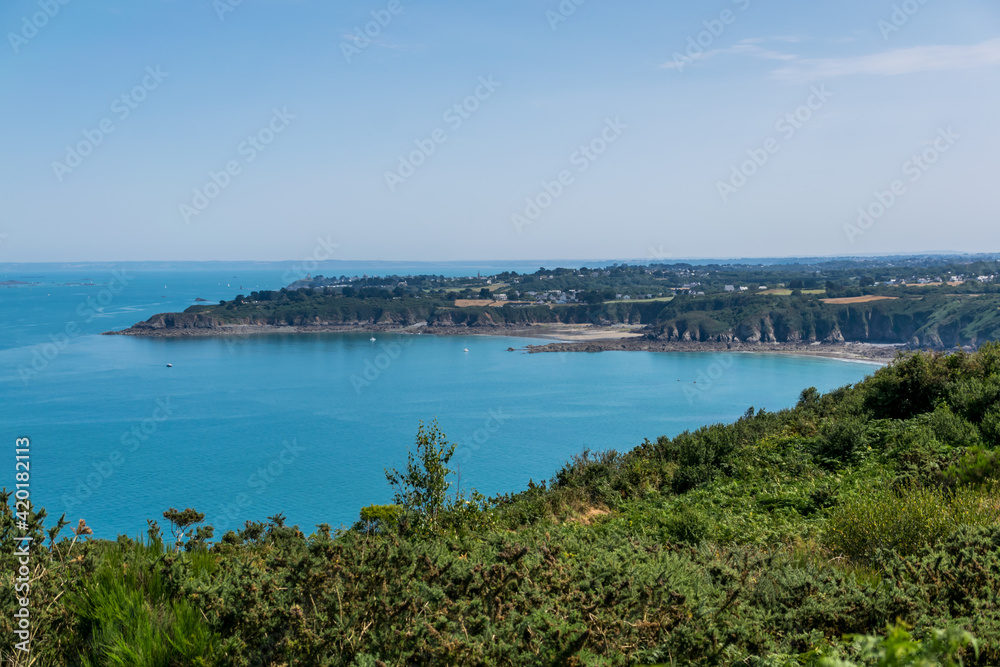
(246, 428)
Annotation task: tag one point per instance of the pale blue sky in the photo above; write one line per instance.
(671, 128)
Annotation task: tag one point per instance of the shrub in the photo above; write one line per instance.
(915, 451)
(700, 456)
(592, 471)
(953, 429)
(899, 649)
(841, 440)
(688, 525)
(990, 427)
(974, 397)
(977, 467)
(904, 521)
(809, 398)
(376, 518)
(909, 387)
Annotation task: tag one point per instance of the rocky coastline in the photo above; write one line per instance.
(857, 351)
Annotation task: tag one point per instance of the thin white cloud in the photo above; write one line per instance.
(791, 39)
(746, 47)
(759, 52)
(896, 62)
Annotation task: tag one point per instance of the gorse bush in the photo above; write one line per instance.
(688, 526)
(709, 452)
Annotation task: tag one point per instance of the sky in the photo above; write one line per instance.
(433, 130)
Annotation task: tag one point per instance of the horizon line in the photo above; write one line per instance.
(575, 261)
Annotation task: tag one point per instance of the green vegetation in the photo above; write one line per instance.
(906, 520)
(861, 527)
(905, 302)
(898, 276)
(899, 649)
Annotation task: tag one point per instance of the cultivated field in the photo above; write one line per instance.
(857, 299)
(468, 303)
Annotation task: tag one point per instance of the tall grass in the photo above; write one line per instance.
(127, 612)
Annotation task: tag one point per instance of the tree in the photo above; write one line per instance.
(423, 487)
(181, 521)
(485, 293)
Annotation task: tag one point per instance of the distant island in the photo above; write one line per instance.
(865, 308)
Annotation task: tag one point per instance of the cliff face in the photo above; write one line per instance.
(352, 312)
(851, 324)
(940, 322)
(177, 321)
(166, 323)
(873, 325)
(940, 325)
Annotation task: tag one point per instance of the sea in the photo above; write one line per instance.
(305, 425)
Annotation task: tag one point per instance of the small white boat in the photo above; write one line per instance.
(170, 365)
(466, 349)
(372, 339)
